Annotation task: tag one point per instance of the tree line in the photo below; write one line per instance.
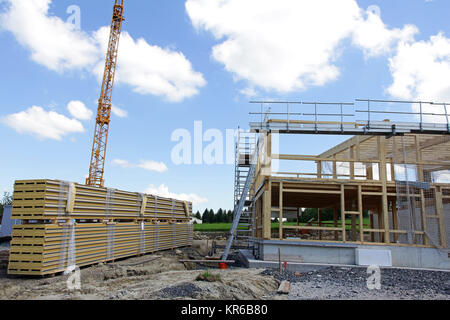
(221, 216)
(5, 201)
(224, 216)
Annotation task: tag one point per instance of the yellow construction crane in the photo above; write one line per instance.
(96, 169)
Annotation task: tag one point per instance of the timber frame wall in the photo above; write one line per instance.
(359, 177)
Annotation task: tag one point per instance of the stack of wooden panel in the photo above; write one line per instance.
(66, 224)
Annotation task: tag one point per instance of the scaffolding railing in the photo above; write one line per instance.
(350, 118)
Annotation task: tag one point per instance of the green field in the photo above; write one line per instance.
(275, 225)
(212, 227)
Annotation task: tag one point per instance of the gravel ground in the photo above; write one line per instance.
(351, 283)
(183, 290)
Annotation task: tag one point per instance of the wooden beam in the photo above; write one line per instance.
(343, 146)
(312, 228)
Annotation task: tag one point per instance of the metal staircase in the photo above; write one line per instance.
(241, 232)
(245, 147)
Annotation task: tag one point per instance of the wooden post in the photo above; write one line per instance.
(352, 163)
(423, 210)
(266, 166)
(353, 227)
(372, 237)
(279, 260)
(383, 179)
(392, 170)
(319, 169)
(440, 213)
(335, 219)
(281, 211)
(267, 211)
(419, 159)
(395, 219)
(343, 212)
(361, 216)
(319, 214)
(357, 148)
(334, 167)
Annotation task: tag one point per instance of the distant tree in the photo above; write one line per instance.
(205, 216)
(230, 216)
(212, 216)
(312, 213)
(219, 216)
(198, 215)
(222, 216)
(5, 201)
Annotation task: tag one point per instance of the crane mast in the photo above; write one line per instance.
(97, 166)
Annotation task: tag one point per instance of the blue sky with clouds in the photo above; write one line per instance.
(187, 60)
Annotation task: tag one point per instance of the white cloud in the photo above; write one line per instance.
(57, 45)
(289, 45)
(420, 71)
(52, 42)
(149, 69)
(78, 110)
(122, 163)
(119, 112)
(149, 165)
(249, 92)
(153, 166)
(42, 124)
(163, 191)
(375, 38)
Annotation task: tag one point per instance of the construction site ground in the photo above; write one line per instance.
(162, 276)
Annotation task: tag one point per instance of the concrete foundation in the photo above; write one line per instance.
(323, 253)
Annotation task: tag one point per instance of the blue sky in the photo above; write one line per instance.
(198, 60)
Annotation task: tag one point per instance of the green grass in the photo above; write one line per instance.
(275, 225)
(212, 227)
(208, 276)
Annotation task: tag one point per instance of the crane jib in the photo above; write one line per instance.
(103, 119)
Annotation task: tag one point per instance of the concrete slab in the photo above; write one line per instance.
(322, 253)
(373, 257)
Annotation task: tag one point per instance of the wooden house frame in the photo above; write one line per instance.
(361, 177)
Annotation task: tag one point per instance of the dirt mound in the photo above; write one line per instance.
(158, 276)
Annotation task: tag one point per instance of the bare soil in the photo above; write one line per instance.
(155, 276)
